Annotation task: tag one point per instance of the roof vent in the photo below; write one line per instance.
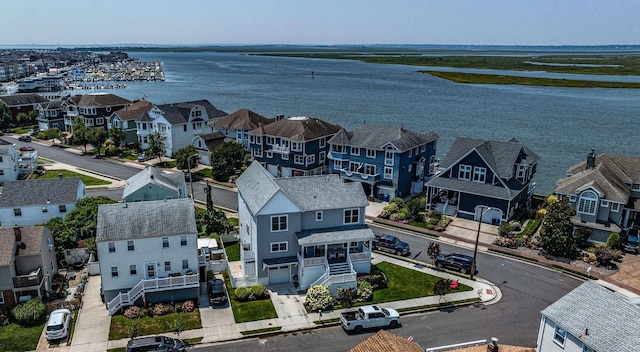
(124, 205)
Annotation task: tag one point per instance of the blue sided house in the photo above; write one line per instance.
(388, 161)
(483, 179)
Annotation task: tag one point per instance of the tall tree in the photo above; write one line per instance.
(118, 136)
(5, 116)
(98, 138)
(556, 233)
(226, 160)
(185, 157)
(52, 134)
(433, 251)
(156, 145)
(82, 134)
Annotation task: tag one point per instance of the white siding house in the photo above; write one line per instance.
(8, 162)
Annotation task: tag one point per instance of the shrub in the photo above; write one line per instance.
(505, 229)
(589, 257)
(242, 294)
(613, 241)
(515, 225)
(605, 255)
(187, 306)
(346, 296)
(29, 313)
(259, 292)
(540, 214)
(396, 200)
(133, 312)
(365, 291)
(160, 309)
(4, 318)
(377, 281)
(318, 298)
(111, 151)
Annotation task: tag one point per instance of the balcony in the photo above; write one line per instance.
(360, 177)
(280, 149)
(34, 278)
(333, 155)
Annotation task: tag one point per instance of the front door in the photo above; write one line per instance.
(150, 270)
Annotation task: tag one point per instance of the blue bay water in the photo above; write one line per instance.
(560, 124)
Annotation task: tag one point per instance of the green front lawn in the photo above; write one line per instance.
(87, 180)
(121, 325)
(14, 337)
(233, 252)
(398, 289)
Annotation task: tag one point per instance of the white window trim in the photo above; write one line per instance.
(322, 157)
(371, 153)
(584, 203)
(286, 246)
(298, 159)
(1, 297)
(604, 203)
(323, 142)
(355, 151)
(388, 172)
(285, 156)
(286, 226)
(351, 210)
(319, 215)
(464, 172)
(479, 174)
(564, 337)
(135, 268)
(615, 207)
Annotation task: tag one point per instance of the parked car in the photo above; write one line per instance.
(24, 138)
(58, 324)
(389, 243)
(217, 292)
(632, 242)
(367, 317)
(155, 343)
(457, 262)
(27, 148)
(143, 157)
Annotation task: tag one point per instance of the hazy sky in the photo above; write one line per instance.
(495, 22)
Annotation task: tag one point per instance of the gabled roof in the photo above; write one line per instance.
(6, 149)
(37, 192)
(23, 99)
(152, 175)
(145, 219)
(500, 156)
(134, 111)
(257, 186)
(178, 113)
(242, 120)
(612, 176)
(32, 237)
(55, 104)
(377, 137)
(102, 100)
(298, 129)
(212, 140)
(384, 341)
(611, 320)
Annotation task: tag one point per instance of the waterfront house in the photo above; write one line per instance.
(388, 161)
(147, 252)
(32, 202)
(51, 114)
(307, 230)
(590, 318)
(126, 118)
(154, 184)
(604, 191)
(294, 146)
(479, 178)
(94, 108)
(17, 103)
(9, 162)
(238, 124)
(206, 143)
(178, 123)
(27, 264)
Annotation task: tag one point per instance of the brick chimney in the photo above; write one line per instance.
(591, 159)
(17, 233)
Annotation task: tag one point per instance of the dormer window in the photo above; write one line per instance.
(588, 202)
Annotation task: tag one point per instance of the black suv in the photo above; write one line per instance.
(155, 343)
(391, 244)
(457, 262)
(217, 292)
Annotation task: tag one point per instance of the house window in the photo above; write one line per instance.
(587, 203)
(371, 153)
(165, 242)
(114, 271)
(479, 174)
(388, 157)
(464, 172)
(521, 172)
(285, 156)
(322, 157)
(319, 215)
(279, 223)
(183, 240)
(45, 209)
(355, 151)
(298, 159)
(615, 207)
(99, 121)
(323, 142)
(269, 154)
(279, 247)
(572, 198)
(270, 141)
(604, 203)
(296, 146)
(112, 247)
(130, 246)
(257, 152)
(559, 336)
(351, 216)
(1, 159)
(17, 212)
(133, 269)
(370, 169)
(167, 266)
(586, 348)
(388, 172)
(311, 159)
(1, 297)
(354, 166)
(339, 149)
(337, 164)
(185, 264)
(635, 186)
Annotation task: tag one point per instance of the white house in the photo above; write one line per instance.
(32, 202)
(9, 170)
(308, 230)
(147, 252)
(178, 123)
(590, 318)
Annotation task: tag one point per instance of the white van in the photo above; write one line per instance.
(59, 324)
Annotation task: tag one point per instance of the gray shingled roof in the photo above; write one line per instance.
(500, 156)
(178, 113)
(612, 320)
(102, 100)
(377, 137)
(351, 233)
(298, 129)
(145, 219)
(212, 140)
(36, 192)
(23, 99)
(483, 189)
(242, 120)
(612, 175)
(257, 186)
(32, 237)
(134, 111)
(150, 174)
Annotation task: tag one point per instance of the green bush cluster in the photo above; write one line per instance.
(158, 309)
(318, 298)
(253, 293)
(30, 313)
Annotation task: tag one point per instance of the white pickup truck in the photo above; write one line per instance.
(368, 317)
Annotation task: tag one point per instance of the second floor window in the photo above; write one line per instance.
(167, 266)
(296, 146)
(587, 203)
(130, 246)
(371, 153)
(114, 271)
(351, 216)
(165, 242)
(479, 174)
(298, 159)
(355, 151)
(279, 247)
(17, 212)
(388, 172)
(279, 223)
(183, 240)
(464, 172)
(62, 208)
(112, 247)
(133, 270)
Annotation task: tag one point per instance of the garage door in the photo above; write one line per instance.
(279, 275)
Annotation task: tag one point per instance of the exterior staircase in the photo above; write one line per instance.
(339, 268)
